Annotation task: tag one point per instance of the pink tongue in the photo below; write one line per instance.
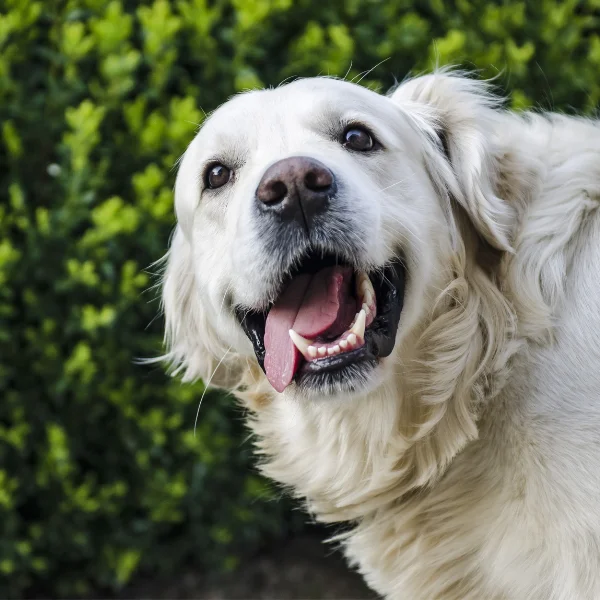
(312, 305)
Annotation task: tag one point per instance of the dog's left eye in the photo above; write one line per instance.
(217, 175)
(357, 138)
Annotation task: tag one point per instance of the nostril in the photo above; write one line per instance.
(272, 192)
(296, 189)
(318, 179)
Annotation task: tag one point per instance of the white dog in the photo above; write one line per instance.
(405, 291)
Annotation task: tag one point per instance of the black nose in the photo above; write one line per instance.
(296, 189)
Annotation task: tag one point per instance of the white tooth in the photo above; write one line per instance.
(301, 343)
(343, 344)
(366, 308)
(364, 291)
(361, 282)
(312, 351)
(352, 340)
(359, 327)
(322, 351)
(368, 293)
(336, 349)
(330, 351)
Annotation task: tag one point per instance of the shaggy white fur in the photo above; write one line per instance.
(469, 466)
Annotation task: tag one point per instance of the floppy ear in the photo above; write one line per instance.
(192, 345)
(462, 113)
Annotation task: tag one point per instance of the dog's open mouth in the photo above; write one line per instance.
(328, 319)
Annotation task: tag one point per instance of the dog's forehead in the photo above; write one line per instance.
(301, 103)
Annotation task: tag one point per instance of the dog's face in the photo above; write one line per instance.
(312, 231)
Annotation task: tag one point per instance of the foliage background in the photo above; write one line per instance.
(100, 474)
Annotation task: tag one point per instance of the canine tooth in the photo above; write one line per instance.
(301, 343)
(312, 351)
(352, 339)
(370, 287)
(366, 308)
(322, 351)
(330, 351)
(366, 287)
(359, 327)
(343, 344)
(361, 282)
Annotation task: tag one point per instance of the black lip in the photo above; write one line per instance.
(380, 337)
(344, 372)
(253, 323)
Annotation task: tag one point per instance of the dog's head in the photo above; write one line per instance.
(318, 224)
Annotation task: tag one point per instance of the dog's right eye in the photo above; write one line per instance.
(359, 139)
(217, 175)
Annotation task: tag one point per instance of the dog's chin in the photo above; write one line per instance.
(357, 378)
(357, 369)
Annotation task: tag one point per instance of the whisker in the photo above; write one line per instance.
(287, 79)
(348, 71)
(406, 225)
(206, 385)
(405, 237)
(365, 73)
(393, 184)
(219, 314)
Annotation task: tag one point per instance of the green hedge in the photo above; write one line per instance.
(100, 474)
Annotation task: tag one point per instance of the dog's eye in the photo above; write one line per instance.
(356, 138)
(217, 176)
